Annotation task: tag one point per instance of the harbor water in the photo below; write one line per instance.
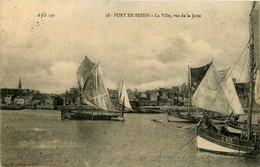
(40, 138)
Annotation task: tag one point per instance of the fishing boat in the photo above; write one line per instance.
(93, 99)
(195, 75)
(211, 95)
(211, 136)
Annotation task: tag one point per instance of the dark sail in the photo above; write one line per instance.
(84, 70)
(196, 76)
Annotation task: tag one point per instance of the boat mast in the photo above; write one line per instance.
(79, 97)
(189, 90)
(123, 107)
(251, 76)
(250, 89)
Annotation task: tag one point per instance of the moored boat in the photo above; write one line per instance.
(213, 137)
(229, 144)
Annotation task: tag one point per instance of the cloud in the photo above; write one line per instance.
(62, 76)
(159, 83)
(175, 52)
(46, 52)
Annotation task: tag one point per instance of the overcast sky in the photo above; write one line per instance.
(146, 52)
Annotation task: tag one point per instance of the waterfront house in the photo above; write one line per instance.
(154, 95)
(8, 99)
(131, 95)
(20, 101)
(113, 96)
(49, 101)
(143, 96)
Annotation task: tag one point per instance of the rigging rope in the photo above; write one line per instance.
(240, 78)
(188, 142)
(231, 70)
(243, 65)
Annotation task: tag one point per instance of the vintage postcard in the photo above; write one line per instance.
(104, 83)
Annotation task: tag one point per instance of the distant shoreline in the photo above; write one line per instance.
(59, 107)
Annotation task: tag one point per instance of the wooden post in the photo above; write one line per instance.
(64, 100)
(167, 116)
(79, 104)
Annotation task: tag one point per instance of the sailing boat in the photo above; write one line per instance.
(211, 95)
(122, 95)
(93, 101)
(194, 115)
(123, 99)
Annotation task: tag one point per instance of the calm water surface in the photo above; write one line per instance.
(40, 138)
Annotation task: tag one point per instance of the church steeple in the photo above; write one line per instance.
(20, 84)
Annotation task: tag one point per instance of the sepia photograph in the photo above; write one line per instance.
(109, 83)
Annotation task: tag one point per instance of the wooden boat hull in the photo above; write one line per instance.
(186, 117)
(11, 107)
(237, 127)
(193, 117)
(210, 141)
(118, 119)
(88, 115)
(234, 128)
(144, 110)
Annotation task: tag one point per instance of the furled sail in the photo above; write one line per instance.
(209, 95)
(122, 94)
(196, 76)
(92, 86)
(254, 31)
(230, 91)
(257, 88)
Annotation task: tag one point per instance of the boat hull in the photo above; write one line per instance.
(234, 129)
(185, 116)
(118, 118)
(210, 141)
(238, 127)
(11, 107)
(83, 115)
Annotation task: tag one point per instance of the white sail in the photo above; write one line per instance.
(230, 91)
(209, 94)
(122, 94)
(92, 86)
